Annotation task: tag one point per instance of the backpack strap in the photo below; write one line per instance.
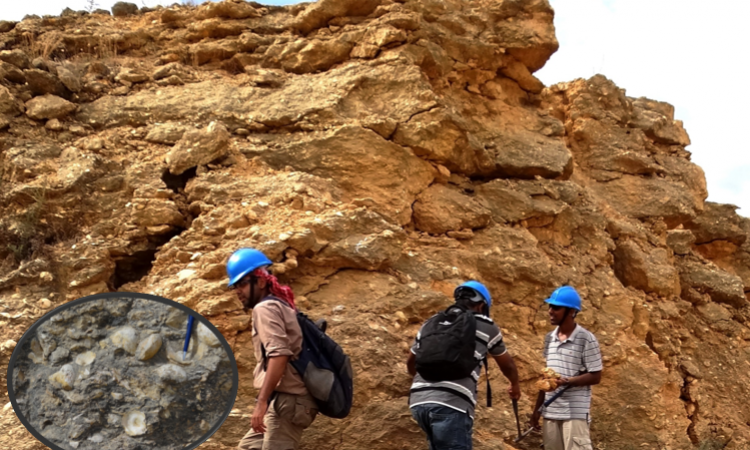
(264, 358)
(489, 388)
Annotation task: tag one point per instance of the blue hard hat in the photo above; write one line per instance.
(478, 287)
(566, 296)
(244, 261)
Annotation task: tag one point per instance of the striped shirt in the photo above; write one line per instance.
(579, 351)
(460, 394)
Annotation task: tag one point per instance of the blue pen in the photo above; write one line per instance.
(187, 336)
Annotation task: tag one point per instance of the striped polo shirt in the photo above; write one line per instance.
(579, 351)
(459, 394)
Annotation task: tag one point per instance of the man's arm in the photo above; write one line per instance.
(411, 364)
(508, 367)
(537, 410)
(274, 371)
(587, 379)
(273, 336)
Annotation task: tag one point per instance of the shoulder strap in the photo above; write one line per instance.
(263, 347)
(489, 388)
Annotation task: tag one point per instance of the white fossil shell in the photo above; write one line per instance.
(65, 377)
(96, 437)
(36, 347)
(86, 358)
(134, 423)
(148, 347)
(207, 336)
(126, 339)
(171, 372)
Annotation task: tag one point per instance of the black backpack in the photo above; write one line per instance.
(446, 347)
(325, 369)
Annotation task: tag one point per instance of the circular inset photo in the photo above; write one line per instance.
(122, 371)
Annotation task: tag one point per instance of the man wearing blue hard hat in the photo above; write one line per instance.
(284, 407)
(445, 361)
(573, 352)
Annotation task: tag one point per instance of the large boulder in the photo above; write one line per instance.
(706, 278)
(526, 30)
(360, 240)
(304, 56)
(48, 107)
(512, 201)
(69, 79)
(41, 82)
(527, 155)
(440, 136)
(680, 241)
(198, 147)
(377, 95)
(317, 14)
(17, 57)
(229, 10)
(647, 269)
(717, 222)
(6, 26)
(8, 103)
(213, 51)
(657, 120)
(166, 133)
(123, 9)
(363, 163)
(12, 73)
(440, 209)
(642, 197)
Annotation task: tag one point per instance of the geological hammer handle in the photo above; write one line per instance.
(560, 392)
(556, 396)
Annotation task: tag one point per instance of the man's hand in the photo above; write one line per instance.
(274, 371)
(514, 391)
(587, 379)
(258, 414)
(537, 413)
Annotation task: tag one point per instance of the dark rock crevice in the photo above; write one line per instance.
(134, 267)
(177, 183)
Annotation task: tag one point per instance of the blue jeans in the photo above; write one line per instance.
(446, 428)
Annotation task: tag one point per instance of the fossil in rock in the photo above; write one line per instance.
(108, 374)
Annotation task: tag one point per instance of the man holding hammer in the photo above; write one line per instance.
(573, 352)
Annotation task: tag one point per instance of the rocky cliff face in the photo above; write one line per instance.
(380, 152)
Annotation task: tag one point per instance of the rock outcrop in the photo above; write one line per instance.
(379, 152)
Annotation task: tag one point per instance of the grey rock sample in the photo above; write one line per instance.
(123, 383)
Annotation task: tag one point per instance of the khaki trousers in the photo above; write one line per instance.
(566, 435)
(287, 416)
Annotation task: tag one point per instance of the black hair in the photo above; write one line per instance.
(466, 302)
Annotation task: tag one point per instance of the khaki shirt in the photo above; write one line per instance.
(275, 326)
